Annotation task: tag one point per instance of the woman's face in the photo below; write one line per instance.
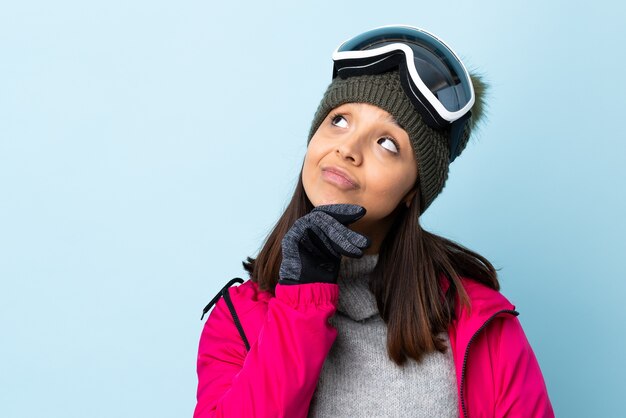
(364, 143)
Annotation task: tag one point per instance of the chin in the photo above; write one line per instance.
(327, 196)
(329, 201)
(325, 202)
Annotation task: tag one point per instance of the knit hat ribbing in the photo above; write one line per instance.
(385, 91)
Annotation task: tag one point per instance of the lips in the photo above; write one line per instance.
(339, 176)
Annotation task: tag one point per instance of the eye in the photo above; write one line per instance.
(394, 144)
(337, 117)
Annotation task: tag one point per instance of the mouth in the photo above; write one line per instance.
(339, 178)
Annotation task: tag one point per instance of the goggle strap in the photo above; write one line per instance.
(420, 103)
(456, 133)
(349, 68)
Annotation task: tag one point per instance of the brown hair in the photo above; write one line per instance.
(405, 281)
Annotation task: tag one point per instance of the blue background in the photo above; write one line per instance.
(147, 148)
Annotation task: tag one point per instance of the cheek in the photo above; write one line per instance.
(386, 190)
(311, 161)
(314, 154)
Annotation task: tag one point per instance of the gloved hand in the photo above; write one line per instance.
(313, 246)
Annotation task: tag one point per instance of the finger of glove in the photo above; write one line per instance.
(291, 240)
(342, 239)
(295, 233)
(291, 265)
(304, 241)
(318, 244)
(307, 235)
(345, 213)
(335, 229)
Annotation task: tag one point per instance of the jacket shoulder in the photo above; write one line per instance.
(235, 323)
(248, 295)
(483, 299)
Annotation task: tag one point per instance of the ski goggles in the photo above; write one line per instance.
(432, 76)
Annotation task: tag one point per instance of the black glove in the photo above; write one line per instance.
(313, 246)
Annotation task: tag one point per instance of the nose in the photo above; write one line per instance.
(350, 147)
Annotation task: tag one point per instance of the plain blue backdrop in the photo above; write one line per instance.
(147, 148)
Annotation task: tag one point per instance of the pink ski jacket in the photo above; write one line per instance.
(289, 337)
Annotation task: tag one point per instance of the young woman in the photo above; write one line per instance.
(352, 308)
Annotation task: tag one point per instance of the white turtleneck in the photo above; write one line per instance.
(359, 379)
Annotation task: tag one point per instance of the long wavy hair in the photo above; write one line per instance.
(406, 280)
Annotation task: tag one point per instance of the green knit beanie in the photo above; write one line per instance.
(430, 145)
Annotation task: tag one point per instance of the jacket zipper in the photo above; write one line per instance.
(509, 311)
